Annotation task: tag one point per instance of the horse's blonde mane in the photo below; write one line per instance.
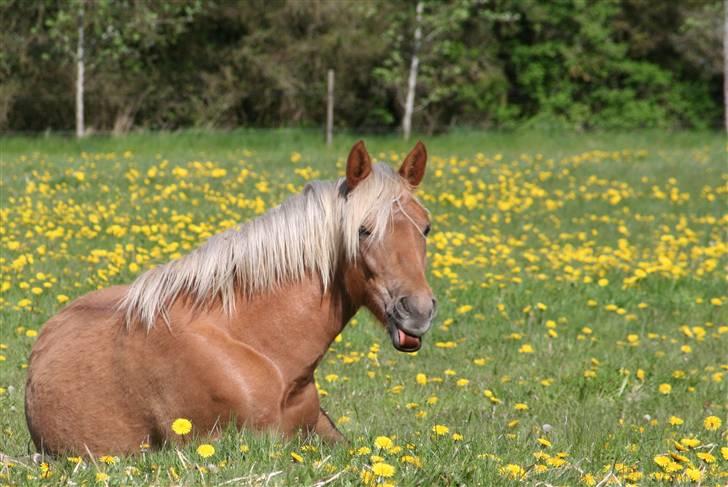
(307, 233)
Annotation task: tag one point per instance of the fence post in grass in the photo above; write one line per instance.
(330, 108)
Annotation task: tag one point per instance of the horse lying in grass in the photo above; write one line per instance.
(234, 330)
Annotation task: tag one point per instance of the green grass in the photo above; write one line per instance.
(531, 233)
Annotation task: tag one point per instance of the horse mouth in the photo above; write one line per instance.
(403, 341)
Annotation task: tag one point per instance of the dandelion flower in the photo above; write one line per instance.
(544, 442)
(512, 471)
(383, 442)
(440, 429)
(675, 421)
(412, 460)
(206, 450)
(382, 469)
(712, 423)
(181, 426)
(665, 389)
(526, 348)
(694, 474)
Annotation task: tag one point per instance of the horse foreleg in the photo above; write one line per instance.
(326, 430)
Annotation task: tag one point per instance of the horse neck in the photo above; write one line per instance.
(295, 325)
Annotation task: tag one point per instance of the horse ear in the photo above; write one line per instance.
(358, 165)
(413, 167)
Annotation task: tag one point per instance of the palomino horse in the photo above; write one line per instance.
(234, 330)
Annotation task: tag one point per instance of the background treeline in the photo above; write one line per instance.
(576, 64)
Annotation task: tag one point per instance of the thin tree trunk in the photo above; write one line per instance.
(409, 105)
(330, 108)
(80, 129)
(725, 61)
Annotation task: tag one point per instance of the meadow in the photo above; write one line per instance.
(582, 331)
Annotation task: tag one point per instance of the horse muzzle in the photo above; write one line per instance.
(408, 320)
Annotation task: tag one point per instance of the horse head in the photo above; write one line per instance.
(388, 271)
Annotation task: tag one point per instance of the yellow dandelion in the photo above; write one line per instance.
(690, 442)
(544, 442)
(107, 459)
(694, 474)
(206, 450)
(712, 423)
(588, 479)
(383, 442)
(526, 348)
(381, 469)
(181, 426)
(412, 460)
(665, 389)
(512, 471)
(440, 429)
(706, 457)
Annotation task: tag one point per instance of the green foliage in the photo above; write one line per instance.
(570, 69)
(505, 63)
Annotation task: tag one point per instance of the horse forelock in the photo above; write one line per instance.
(308, 233)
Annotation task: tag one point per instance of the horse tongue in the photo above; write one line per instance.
(408, 341)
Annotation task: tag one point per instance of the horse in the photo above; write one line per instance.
(232, 332)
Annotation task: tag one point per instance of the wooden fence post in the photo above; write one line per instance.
(330, 108)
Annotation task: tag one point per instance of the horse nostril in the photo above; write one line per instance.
(403, 304)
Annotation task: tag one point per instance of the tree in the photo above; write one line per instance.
(111, 32)
(80, 71)
(449, 65)
(412, 79)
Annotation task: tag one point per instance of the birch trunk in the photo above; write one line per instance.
(330, 108)
(409, 105)
(80, 128)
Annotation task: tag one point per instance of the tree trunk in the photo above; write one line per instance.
(330, 107)
(80, 129)
(725, 61)
(409, 104)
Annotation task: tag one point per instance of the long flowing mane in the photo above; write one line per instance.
(307, 233)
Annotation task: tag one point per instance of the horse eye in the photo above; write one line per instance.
(363, 232)
(426, 231)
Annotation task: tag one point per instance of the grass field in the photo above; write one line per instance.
(582, 332)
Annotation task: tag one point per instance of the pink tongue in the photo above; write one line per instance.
(407, 341)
